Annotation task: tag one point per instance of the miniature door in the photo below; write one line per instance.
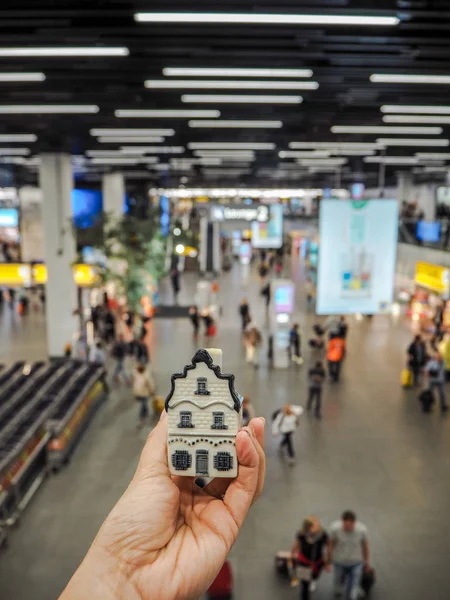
(204, 416)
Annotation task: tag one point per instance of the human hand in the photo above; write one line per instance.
(166, 538)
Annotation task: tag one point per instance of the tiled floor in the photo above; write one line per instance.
(373, 452)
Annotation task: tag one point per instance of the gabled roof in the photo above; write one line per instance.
(202, 356)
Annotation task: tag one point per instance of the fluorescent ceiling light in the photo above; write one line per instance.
(18, 137)
(417, 119)
(403, 78)
(205, 160)
(433, 155)
(231, 146)
(109, 153)
(13, 160)
(14, 151)
(114, 161)
(336, 145)
(264, 19)
(152, 149)
(13, 77)
(51, 109)
(392, 160)
(240, 99)
(226, 172)
(312, 162)
(353, 152)
(413, 142)
(408, 108)
(129, 140)
(226, 153)
(207, 114)
(231, 72)
(161, 84)
(237, 124)
(62, 52)
(363, 129)
(304, 153)
(132, 132)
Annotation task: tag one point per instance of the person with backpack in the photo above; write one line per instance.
(335, 356)
(284, 423)
(119, 353)
(253, 342)
(316, 377)
(435, 374)
(141, 352)
(294, 344)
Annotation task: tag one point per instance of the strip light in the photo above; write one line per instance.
(14, 151)
(237, 124)
(214, 172)
(127, 140)
(404, 78)
(52, 109)
(392, 160)
(231, 72)
(416, 119)
(413, 142)
(154, 149)
(381, 129)
(433, 155)
(205, 160)
(229, 154)
(18, 137)
(336, 145)
(109, 153)
(407, 108)
(117, 160)
(313, 162)
(162, 84)
(132, 132)
(304, 154)
(240, 99)
(13, 77)
(207, 114)
(231, 146)
(62, 52)
(264, 19)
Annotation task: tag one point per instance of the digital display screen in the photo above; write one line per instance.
(9, 217)
(428, 231)
(284, 299)
(269, 234)
(357, 255)
(87, 207)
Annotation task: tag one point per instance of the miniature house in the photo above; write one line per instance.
(204, 416)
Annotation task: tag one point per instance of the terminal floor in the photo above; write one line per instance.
(373, 452)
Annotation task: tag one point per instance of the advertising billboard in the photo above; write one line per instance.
(269, 233)
(358, 245)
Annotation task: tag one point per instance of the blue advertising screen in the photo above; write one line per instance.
(358, 245)
(87, 206)
(9, 217)
(428, 232)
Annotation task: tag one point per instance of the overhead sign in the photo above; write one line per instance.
(443, 195)
(269, 233)
(240, 213)
(357, 254)
(433, 277)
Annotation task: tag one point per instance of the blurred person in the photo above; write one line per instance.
(335, 356)
(294, 344)
(97, 354)
(417, 357)
(285, 422)
(444, 351)
(349, 551)
(263, 271)
(317, 345)
(310, 290)
(175, 281)
(252, 342)
(141, 352)
(210, 324)
(143, 389)
(342, 328)
(244, 311)
(194, 317)
(278, 266)
(310, 552)
(439, 317)
(332, 325)
(266, 292)
(163, 526)
(248, 412)
(119, 353)
(109, 325)
(316, 377)
(435, 373)
(80, 348)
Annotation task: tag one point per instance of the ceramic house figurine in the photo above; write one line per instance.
(204, 415)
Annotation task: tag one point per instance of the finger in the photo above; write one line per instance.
(153, 461)
(240, 493)
(257, 425)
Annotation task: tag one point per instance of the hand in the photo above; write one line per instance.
(166, 538)
(294, 582)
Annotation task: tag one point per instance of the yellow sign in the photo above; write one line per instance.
(23, 275)
(39, 274)
(433, 277)
(15, 274)
(85, 275)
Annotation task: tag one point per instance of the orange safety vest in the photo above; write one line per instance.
(336, 349)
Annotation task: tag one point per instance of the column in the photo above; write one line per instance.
(404, 186)
(113, 187)
(60, 251)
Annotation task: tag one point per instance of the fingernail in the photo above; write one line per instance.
(263, 420)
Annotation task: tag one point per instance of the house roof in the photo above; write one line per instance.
(203, 356)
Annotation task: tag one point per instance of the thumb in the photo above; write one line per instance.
(153, 461)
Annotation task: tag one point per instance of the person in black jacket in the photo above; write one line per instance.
(417, 357)
(244, 311)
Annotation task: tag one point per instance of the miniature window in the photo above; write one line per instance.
(202, 386)
(181, 460)
(185, 420)
(219, 421)
(201, 462)
(223, 461)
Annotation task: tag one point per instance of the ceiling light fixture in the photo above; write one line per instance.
(405, 78)
(152, 149)
(312, 162)
(162, 84)
(13, 77)
(233, 154)
(18, 137)
(52, 109)
(363, 129)
(232, 72)
(433, 155)
(240, 99)
(336, 145)
(62, 52)
(131, 139)
(230, 124)
(392, 160)
(408, 108)
(14, 151)
(304, 154)
(114, 161)
(231, 146)
(109, 153)
(205, 160)
(413, 142)
(265, 19)
(440, 119)
(187, 114)
(132, 132)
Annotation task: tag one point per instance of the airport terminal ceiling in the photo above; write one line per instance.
(296, 92)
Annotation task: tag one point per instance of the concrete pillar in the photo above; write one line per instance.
(113, 186)
(405, 185)
(60, 251)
